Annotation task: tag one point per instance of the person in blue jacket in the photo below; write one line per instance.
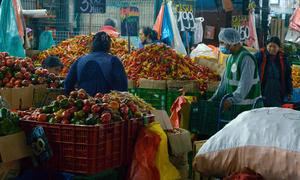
(97, 72)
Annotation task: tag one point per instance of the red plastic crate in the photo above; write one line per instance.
(83, 149)
(132, 129)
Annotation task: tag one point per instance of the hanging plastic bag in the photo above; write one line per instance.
(159, 21)
(46, 41)
(10, 40)
(166, 169)
(39, 144)
(143, 164)
(198, 35)
(178, 44)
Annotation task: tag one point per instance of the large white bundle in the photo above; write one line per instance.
(266, 140)
(202, 50)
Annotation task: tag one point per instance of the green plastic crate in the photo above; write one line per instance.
(156, 97)
(132, 91)
(204, 116)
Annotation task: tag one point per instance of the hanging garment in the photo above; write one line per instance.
(227, 5)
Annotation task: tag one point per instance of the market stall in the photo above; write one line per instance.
(151, 131)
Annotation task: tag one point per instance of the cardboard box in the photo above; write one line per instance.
(6, 94)
(131, 84)
(19, 98)
(187, 85)
(162, 117)
(9, 170)
(39, 95)
(14, 147)
(152, 84)
(180, 142)
(22, 98)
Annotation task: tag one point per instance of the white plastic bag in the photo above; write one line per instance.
(202, 50)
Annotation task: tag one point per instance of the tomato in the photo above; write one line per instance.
(65, 121)
(105, 118)
(86, 108)
(82, 95)
(96, 108)
(23, 70)
(114, 105)
(27, 75)
(73, 94)
(42, 118)
(9, 62)
(99, 95)
(66, 114)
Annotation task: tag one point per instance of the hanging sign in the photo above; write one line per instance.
(241, 24)
(91, 6)
(130, 18)
(185, 15)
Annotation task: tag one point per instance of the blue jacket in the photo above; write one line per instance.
(97, 72)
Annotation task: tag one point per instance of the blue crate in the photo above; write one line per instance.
(296, 95)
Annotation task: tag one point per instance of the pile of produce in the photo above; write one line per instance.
(292, 52)
(9, 122)
(71, 49)
(17, 72)
(296, 76)
(159, 62)
(81, 109)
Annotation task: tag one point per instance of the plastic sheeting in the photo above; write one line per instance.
(10, 40)
(46, 40)
(166, 169)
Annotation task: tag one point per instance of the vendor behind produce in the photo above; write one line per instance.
(110, 28)
(275, 74)
(53, 65)
(147, 36)
(241, 78)
(97, 72)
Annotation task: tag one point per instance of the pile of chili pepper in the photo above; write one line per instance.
(160, 62)
(71, 49)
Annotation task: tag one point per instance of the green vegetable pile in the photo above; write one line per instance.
(8, 122)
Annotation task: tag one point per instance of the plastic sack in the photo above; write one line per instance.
(10, 40)
(143, 164)
(167, 170)
(293, 36)
(295, 20)
(40, 145)
(264, 140)
(46, 40)
(203, 50)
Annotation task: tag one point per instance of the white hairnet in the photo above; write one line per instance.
(229, 36)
